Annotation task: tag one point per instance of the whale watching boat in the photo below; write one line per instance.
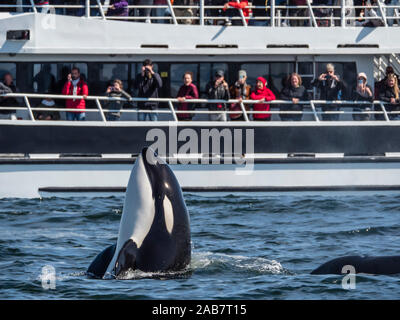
(40, 43)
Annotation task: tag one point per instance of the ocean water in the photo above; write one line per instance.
(244, 246)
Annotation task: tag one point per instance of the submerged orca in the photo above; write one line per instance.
(369, 265)
(154, 232)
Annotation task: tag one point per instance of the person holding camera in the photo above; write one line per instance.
(115, 91)
(148, 83)
(329, 86)
(75, 86)
(218, 90)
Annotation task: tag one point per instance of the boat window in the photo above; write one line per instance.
(44, 77)
(102, 74)
(176, 78)
(279, 73)
(255, 70)
(304, 68)
(8, 68)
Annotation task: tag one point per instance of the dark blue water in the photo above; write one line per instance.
(244, 246)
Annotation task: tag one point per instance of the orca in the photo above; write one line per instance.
(368, 265)
(154, 231)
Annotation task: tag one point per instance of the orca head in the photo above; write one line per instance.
(153, 195)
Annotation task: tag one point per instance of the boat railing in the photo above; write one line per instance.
(312, 108)
(275, 14)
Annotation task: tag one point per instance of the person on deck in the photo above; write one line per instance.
(262, 94)
(187, 91)
(76, 86)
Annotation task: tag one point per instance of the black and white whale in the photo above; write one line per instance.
(154, 232)
(368, 265)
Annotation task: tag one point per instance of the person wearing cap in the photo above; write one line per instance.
(295, 92)
(362, 92)
(148, 83)
(218, 90)
(239, 90)
(329, 86)
(262, 94)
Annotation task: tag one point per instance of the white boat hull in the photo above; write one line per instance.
(29, 180)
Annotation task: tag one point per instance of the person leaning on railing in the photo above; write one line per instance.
(241, 5)
(262, 94)
(187, 91)
(118, 8)
(362, 92)
(390, 95)
(295, 92)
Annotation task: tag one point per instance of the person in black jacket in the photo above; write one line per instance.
(389, 93)
(329, 86)
(218, 90)
(294, 92)
(148, 83)
(362, 92)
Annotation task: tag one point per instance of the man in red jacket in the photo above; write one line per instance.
(75, 86)
(262, 94)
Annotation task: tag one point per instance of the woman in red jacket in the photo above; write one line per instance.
(262, 94)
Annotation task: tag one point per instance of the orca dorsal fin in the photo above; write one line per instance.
(99, 265)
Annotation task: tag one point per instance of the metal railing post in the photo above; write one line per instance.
(384, 111)
(343, 13)
(246, 118)
(171, 107)
(103, 118)
(101, 9)
(314, 21)
(87, 8)
(383, 14)
(272, 13)
(172, 12)
(202, 12)
(19, 4)
(314, 110)
(28, 105)
(33, 6)
(242, 15)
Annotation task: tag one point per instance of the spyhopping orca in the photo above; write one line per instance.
(368, 265)
(154, 232)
